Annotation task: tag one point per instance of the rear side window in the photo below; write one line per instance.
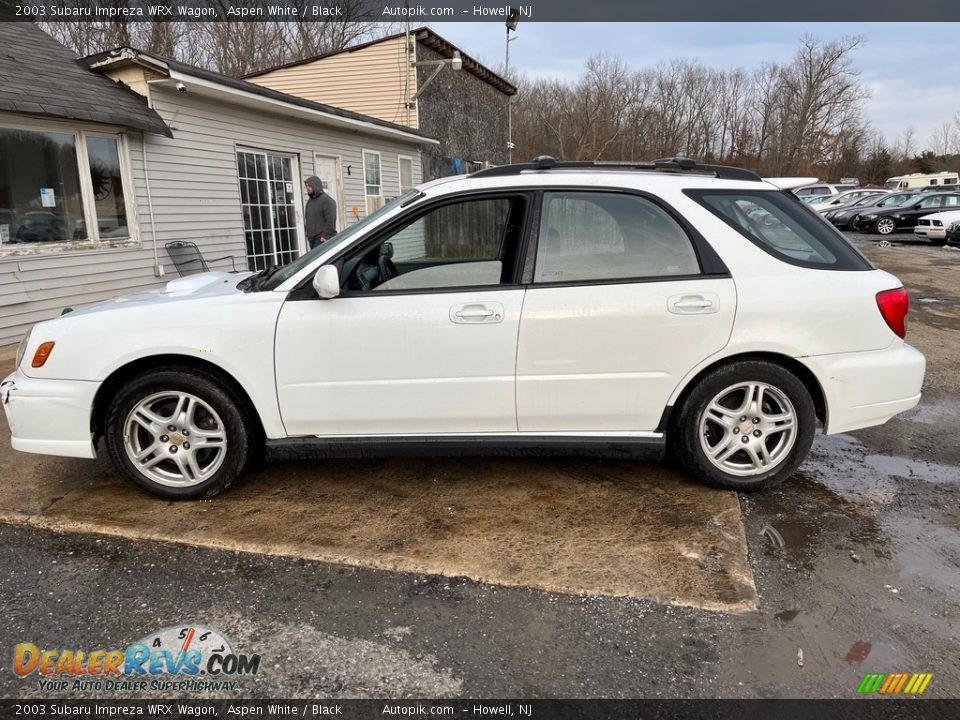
(783, 227)
(598, 236)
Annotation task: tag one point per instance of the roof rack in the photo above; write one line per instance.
(675, 165)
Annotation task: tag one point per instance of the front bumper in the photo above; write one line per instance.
(953, 237)
(864, 389)
(930, 232)
(50, 417)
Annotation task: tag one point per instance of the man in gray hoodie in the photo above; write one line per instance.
(320, 215)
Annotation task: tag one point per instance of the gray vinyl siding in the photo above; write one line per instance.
(196, 197)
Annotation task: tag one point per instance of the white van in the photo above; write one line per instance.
(921, 180)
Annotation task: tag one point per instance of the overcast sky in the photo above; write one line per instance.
(913, 69)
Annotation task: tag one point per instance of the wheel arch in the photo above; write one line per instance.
(803, 373)
(121, 375)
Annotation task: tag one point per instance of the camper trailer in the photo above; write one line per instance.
(921, 180)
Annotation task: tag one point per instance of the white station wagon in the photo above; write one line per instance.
(544, 307)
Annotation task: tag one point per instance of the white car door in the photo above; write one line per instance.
(422, 339)
(620, 309)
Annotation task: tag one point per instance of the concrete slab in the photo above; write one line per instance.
(567, 525)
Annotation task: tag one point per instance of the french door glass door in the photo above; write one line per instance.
(268, 199)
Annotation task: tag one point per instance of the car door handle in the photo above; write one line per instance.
(694, 303)
(477, 313)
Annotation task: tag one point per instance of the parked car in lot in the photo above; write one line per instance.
(889, 220)
(940, 188)
(822, 189)
(952, 234)
(845, 199)
(845, 217)
(552, 307)
(934, 227)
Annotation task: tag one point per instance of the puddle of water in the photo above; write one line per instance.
(914, 469)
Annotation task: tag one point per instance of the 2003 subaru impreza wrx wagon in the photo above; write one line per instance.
(538, 307)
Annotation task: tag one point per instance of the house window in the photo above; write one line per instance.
(60, 188)
(373, 185)
(405, 167)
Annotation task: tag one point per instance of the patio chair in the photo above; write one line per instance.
(188, 259)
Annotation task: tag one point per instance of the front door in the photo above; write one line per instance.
(422, 339)
(327, 168)
(269, 192)
(618, 312)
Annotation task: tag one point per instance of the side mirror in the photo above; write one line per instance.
(327, 282)
(917, 206)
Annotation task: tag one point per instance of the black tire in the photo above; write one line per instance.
(685, 428)
(240, 432)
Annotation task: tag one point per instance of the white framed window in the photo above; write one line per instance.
(63, 188)
(405, 172)
(372, 180)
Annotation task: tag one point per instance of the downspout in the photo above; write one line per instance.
(153, 222)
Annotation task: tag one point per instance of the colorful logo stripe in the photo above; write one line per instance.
(894, 683)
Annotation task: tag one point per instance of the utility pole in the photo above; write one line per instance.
(511, 23)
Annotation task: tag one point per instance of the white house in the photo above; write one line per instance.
(167, 152)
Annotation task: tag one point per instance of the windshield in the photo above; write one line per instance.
(868, 199)
(892, 184)
(898, 200)
(289, 270)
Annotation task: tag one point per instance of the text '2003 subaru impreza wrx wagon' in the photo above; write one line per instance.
(544, 307)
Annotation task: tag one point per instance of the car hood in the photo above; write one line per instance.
(944, 216)
(202, 285)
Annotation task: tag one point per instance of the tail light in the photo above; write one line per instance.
(894, 305)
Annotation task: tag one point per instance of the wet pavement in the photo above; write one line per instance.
(856, 562)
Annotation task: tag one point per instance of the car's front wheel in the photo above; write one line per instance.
(178, 433)
(886, 225)
(745, 426)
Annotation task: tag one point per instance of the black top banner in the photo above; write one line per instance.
(425, 11)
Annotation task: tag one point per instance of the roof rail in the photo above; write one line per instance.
(676, 164)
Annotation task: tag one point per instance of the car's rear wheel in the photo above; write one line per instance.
(886, 225)
(745, 426)
(178, 433)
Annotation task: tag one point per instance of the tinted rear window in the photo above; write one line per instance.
(784, 227)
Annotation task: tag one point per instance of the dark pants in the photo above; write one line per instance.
(314, 241)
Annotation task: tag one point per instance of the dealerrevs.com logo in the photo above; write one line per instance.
(190, 658)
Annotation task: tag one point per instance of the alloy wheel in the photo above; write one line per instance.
(748, 428)
(885, 226)
(175, 439)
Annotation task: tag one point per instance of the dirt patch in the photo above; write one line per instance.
(587, 526)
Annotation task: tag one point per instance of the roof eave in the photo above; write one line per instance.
(292, 108)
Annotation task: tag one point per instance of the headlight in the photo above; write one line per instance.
(871, 216)
(937, 223)
(22, 348)
(954, 227)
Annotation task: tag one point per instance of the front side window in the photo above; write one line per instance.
(465, 244)
(599, 236)
(59, 187)
(782, 227)
(931, 202)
